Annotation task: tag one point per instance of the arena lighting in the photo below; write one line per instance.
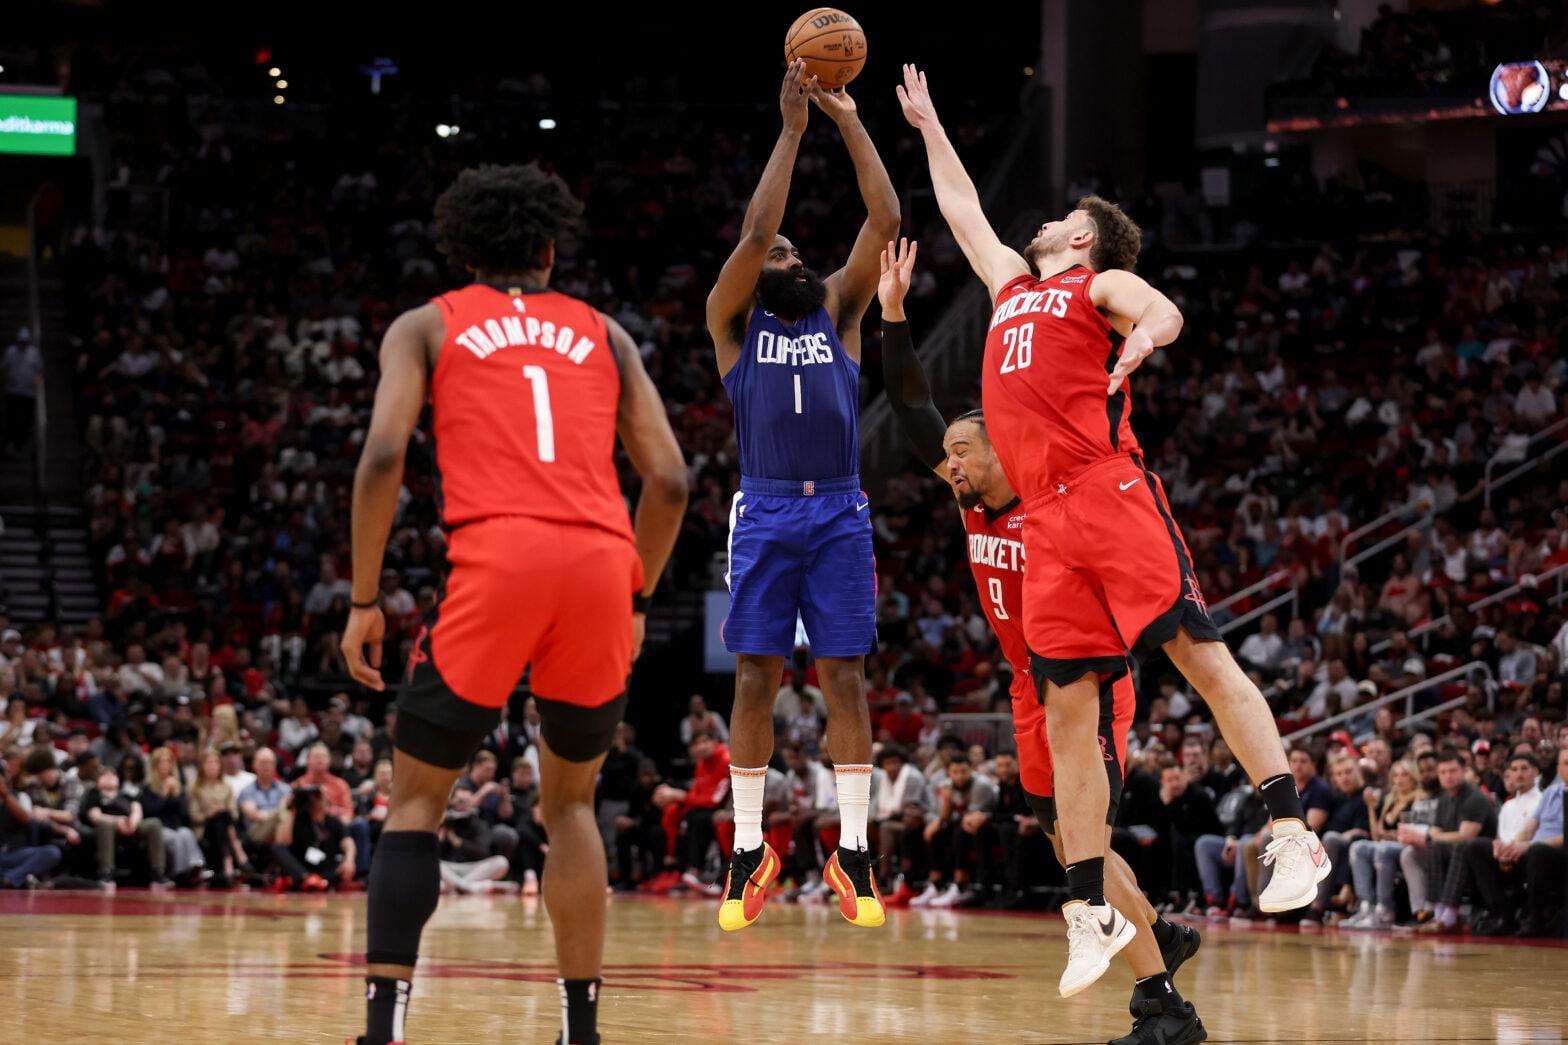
(546, 124)
(443, 131)
(282, 84)
(277, 99)
(274, 71)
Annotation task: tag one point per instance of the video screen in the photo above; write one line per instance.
(1518, 88)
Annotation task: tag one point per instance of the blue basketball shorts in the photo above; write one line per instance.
(801, 549)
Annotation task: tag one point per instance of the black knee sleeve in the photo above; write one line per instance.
(448, 745)
(576, 733)
(1044, 811)
(405, 886)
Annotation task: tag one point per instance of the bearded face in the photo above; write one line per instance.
(790, 292)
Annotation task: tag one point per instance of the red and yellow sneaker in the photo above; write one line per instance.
(746, 887)
(848, 872)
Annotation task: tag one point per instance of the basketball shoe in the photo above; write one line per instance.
(848, 872)
(1184, 943)
(746, 887)
(1299, 863)
(1094, 936)
(1159, 1021)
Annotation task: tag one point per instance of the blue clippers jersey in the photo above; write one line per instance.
(797, 400)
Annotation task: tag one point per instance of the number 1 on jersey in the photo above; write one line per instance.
(543, 419)
(995, 586)
(797, 393)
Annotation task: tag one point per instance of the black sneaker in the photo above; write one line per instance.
(1156, 1022)
(1184, 944)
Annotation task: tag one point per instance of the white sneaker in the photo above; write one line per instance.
(1382, 918)
(926, 896)
(948, 898)
(1094, 936)
(1299, 862)
(1362, 919)
(530, 883)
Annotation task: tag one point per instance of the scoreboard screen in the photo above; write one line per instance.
(37, 125)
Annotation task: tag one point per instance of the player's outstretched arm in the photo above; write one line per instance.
(908, 391)
(731, 295)
(645, 431)
(851, 287)
(992, 260)
(400, 395)
(1148, 318)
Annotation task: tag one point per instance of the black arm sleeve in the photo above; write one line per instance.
(909, 394)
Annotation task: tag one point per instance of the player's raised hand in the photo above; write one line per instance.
(1138, 347)
(898, 266)
(365, 627)
(836, 103)
(915, 97)
(792, 96)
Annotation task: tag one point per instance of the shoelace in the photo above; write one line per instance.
(858, 868)
(741, 871)
(1287, 853)
(1081, 933)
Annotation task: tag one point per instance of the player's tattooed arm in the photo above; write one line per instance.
(733, 293)
(851, 287)
(908, 391)
(644, 429)
(1148, 318)
(956, 196)
(400, 396)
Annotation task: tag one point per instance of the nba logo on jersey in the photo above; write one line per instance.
(800, 533)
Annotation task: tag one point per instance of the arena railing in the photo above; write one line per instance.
(1271, 581)
(1291, 597)
(1346, 560)
(1557, 573)
(1525, 464)
(1407, 696)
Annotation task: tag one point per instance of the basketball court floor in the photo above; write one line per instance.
(193, 969)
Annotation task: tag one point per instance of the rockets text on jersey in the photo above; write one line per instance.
(1048, 355)
(996, 557)
(525, 395)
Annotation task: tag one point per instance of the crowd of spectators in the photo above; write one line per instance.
(198, 730)
(1432, 49)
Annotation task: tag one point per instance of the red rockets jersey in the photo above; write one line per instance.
(996, 557)
(525, 395)
(1048, 358)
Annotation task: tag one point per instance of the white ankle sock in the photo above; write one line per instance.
(854, 802)
(747, 786)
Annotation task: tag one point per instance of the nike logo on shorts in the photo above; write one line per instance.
(1128, 485)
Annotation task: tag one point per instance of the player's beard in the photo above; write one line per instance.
(968, 498)
(791, 293)
(1042, 247)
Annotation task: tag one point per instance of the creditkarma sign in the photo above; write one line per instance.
(37, 125)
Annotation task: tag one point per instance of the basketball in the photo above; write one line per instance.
(831, 43)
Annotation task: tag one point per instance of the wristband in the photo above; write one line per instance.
(640, 603)
(372, 604)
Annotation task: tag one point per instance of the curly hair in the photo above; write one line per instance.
(1116, 236)
(501, 219)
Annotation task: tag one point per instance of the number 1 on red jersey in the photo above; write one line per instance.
(542, 416)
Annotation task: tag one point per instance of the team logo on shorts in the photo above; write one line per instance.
(418, 654)
(1195, 595)
(1105, 751)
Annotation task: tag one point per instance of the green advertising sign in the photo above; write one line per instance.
(37, 125)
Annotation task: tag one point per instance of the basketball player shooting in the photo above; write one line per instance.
(1108, 570)
(788, 347)
(993, 516)
(529, 389)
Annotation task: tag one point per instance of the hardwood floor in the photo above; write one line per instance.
(191, 969)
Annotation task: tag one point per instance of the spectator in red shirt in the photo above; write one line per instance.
(693, 809)
(903, 724)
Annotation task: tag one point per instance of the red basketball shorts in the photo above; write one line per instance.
(523, 592)
(1106, 572)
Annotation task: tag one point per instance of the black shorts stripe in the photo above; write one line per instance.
(1186, 612)
(1115, 405)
